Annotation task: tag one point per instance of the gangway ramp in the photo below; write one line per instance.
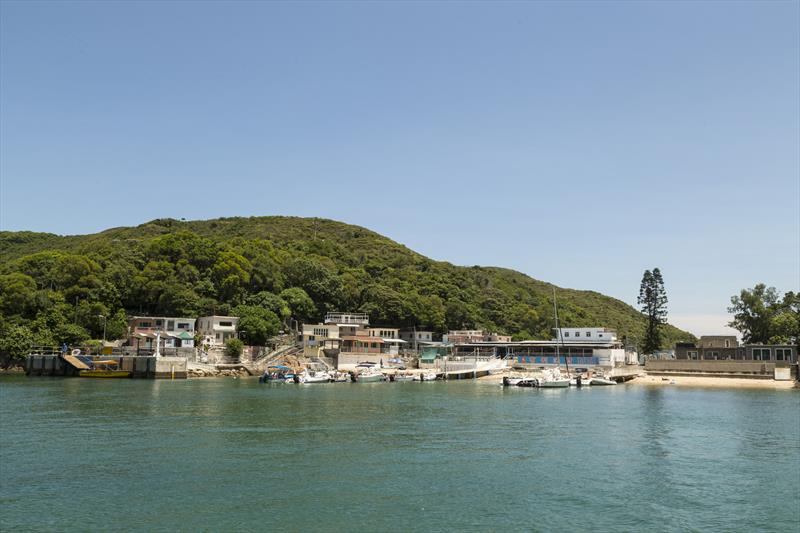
(75, 362)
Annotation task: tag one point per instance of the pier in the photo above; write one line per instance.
(146, 367)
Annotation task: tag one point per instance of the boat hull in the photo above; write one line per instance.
(370, 379)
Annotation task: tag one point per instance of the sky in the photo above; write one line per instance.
(578, 142)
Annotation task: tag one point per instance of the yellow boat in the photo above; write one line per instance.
(104, 369)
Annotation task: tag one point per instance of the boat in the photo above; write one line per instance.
(403, 377)
(426, 376)
(552, 379)
(311, 376)
(340, 377)
(367, 373)
(105, 369)
(275, 373)
(601, 380)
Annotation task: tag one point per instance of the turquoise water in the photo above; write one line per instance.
(234, 455)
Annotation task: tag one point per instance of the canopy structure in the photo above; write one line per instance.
(186, 336)
(280, 367)
(394, 341)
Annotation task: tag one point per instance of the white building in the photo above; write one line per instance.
(216, 329)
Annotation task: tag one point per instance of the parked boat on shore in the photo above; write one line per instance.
(367, 373)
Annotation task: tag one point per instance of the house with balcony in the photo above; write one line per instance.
(727, 348)
(416, 338)
(174, 332)
(216, 330)
(317, 337)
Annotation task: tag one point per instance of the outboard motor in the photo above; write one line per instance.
(505, 381)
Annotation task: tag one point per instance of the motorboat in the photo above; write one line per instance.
(426, 376)
(275, 373)
(403, 377)
(311, 376)
(367, 373)
(601, 380)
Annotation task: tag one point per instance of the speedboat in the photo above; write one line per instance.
(425, 376)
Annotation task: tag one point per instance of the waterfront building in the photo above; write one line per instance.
(727, 348)
(463, 336)
(216, 330)
(579, 347)
(175, 332)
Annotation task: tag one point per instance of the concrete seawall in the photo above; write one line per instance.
(741, 369)
(147, 367)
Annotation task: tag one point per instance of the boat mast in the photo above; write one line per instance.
(558, 333)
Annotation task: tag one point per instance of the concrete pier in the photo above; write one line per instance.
(148, 367)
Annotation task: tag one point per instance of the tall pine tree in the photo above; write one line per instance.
(653, 299)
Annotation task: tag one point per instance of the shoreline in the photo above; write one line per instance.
(714, 382)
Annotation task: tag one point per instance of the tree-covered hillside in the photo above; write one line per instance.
(56, 289)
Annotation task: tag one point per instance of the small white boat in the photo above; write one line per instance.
(601, 380)
(367, 373)
(552, 379)
(425, 376)
(310, 376)
(403, 377)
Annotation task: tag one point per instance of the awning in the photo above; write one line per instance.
(186, 336)
(394, 341)
(363, 338)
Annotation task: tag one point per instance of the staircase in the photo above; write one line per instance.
(272, 357)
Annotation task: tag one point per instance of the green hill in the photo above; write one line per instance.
(54, 288)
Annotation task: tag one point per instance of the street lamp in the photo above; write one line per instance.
(104, 327)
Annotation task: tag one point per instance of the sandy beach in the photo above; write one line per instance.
(703, 381)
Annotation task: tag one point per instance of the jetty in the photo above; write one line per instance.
(52, 363)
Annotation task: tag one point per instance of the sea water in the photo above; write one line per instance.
(235, 455)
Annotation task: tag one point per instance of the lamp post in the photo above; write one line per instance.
(104, 327)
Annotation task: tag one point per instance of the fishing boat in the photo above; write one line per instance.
(105, 369)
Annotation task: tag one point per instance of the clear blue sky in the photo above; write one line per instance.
(577, 142)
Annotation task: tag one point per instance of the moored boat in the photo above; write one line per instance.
(601, 380)
(104, 369)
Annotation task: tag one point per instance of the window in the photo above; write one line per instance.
(712, 355)
(727, 343)
(321, 332)
(783, 354)
(577, 333)
(311, 338)
(145, 324)
(588, 333)
(761, 354)
(181, 325)
(170, 325)
(226, 324)
(600, 335)
(691, 355)
(217, 336)
(159, 322)
(566, 334)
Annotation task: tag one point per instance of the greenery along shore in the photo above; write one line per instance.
(56, 289)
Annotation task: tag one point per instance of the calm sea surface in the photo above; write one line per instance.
(234, 455)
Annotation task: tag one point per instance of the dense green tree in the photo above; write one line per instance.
(301, 306)
(270, 301)
(753, 311)
(764, 318)
(15, 340)
(18, 295)
(653, 299)
(256, 324)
